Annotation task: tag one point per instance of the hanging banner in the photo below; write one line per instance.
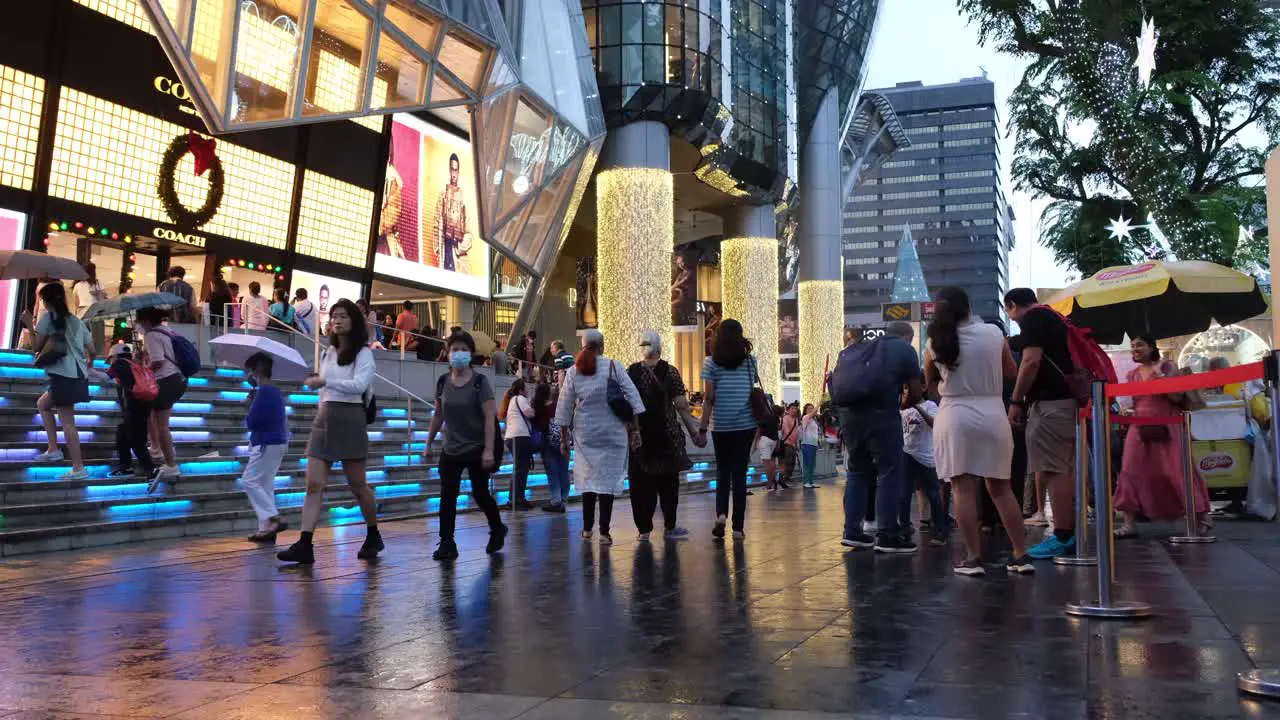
(586, 305)
(684, 288)
(788, 328)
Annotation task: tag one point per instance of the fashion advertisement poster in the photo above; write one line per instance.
(684, 288)
(588, 317)
(324, 291)
(12, 227)
(788, 328)
(429, 226)
(712, 313)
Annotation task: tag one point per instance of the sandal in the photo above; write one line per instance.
(1125, 533)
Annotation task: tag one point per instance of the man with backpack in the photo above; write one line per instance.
(1043, 400)
(865, 388)
(135, 390)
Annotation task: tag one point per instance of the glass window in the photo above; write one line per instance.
(632, 69)
(334, 69)
(655, 64)
(632, 23)
(610, 59)
(653, 23)
(589, 15)
(610, 25)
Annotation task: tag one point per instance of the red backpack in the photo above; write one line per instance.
(1091, 363)
(144, 382)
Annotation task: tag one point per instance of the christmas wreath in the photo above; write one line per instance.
(202, 150)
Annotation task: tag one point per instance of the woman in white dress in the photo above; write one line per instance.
(602, 439)
(967, 361)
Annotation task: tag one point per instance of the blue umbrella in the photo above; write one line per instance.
(130, 304)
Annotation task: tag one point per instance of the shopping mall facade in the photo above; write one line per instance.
(525, 164)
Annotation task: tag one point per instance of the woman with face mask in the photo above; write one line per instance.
(601, 437)
(466, 408)
(657, 464)
(338, 434)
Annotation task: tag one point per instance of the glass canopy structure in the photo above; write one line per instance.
(537, 125)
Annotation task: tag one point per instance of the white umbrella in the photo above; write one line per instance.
(29, 265)
(235, 349)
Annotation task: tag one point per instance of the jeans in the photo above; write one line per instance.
(808, 462)
(922, 477)
(647, 490)
(874, 439)
(589, 511)
(258, 480)
(733, 457)
(521, 459)
(451, 467)
(131, 436)
(557, 473)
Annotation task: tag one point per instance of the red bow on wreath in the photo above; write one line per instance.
(201, 151)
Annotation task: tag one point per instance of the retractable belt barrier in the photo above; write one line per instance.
(1099, 420)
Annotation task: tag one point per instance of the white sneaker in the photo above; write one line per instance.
(170, 471)
(81, 474)
(49, 456)
(1037, 520)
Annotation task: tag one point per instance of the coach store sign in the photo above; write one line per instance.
(178, 236)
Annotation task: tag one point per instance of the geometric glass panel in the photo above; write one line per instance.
(266, 60)
(400, 80)
(464, 58)
(334, 70)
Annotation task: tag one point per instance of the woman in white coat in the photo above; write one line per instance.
(602, 438)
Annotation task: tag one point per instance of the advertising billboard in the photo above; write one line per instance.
(684, 288)
(12, 227)
(429, 227)
(324, 291)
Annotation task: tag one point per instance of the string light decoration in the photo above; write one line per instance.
(1102, 73)
(749, 289)
(821, 333)
(634, 236)
(1147, 43)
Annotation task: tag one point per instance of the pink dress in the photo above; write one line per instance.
(1151, 475)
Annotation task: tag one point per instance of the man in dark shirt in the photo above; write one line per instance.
(1042, 400)
(872, 432)
(177, 285)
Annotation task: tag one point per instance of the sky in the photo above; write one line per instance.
(930, 41)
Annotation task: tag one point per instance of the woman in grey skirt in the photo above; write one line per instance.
(339, 432)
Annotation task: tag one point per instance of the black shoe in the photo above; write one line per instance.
(298, 553)
(524, 505)
(861, 540)
(448, 550)
(970, 568)
(497, 539)
(553, 507)
(895, 545)
(372, 546)
(1021, 566)
(784, 484)
(717, 532)
(122, 472)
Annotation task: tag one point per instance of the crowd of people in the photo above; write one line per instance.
(956, 430)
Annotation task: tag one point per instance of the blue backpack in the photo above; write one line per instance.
(185, 355)
(860, 374)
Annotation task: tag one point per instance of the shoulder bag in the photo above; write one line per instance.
(616, 397)
(761, 405)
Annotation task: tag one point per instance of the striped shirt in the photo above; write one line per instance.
(732, 410)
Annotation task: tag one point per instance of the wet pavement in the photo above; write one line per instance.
(785, 624)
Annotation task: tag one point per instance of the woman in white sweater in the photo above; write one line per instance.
(345, 381)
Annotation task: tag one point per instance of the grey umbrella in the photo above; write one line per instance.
(29, 265)
(129, 304)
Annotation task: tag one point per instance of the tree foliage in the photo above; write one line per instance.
(1188, 150)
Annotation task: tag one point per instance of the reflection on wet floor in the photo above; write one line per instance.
(786, 624)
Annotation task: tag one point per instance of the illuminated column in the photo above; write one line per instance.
(1273, 230)
(634, 236)
(821, 292)
(749, 284)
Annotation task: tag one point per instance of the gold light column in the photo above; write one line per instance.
(634, 235)
(749, 285)
(821, 333)
(1273, 231)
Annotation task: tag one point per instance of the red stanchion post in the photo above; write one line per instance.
(1192, 535)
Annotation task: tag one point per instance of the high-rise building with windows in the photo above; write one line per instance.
(946, 188)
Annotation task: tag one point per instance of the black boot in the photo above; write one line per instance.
(372, 545)
(497, 539)
(448, 550)
(300, 552)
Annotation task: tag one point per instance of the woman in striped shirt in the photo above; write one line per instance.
(727, 378)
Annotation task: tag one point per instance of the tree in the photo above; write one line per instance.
(1188, 150)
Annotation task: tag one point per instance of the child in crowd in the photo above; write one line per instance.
(919, 469)
(131, 433)
(268, 441)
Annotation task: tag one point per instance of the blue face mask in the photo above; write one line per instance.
(460, 359)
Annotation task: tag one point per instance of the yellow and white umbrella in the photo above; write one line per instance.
(1161, 299)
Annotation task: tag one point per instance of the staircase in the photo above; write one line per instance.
(40, 513)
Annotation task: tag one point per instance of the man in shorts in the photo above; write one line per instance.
(1042, 400)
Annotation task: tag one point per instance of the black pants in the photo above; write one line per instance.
(733, 456)
(871, 503)
(521, 460)
(131, 436)
(647, 490)
(589, 511)
(451, 467)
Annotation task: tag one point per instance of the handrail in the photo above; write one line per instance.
(394, 329)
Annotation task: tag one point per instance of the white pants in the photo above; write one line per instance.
(258, 481)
